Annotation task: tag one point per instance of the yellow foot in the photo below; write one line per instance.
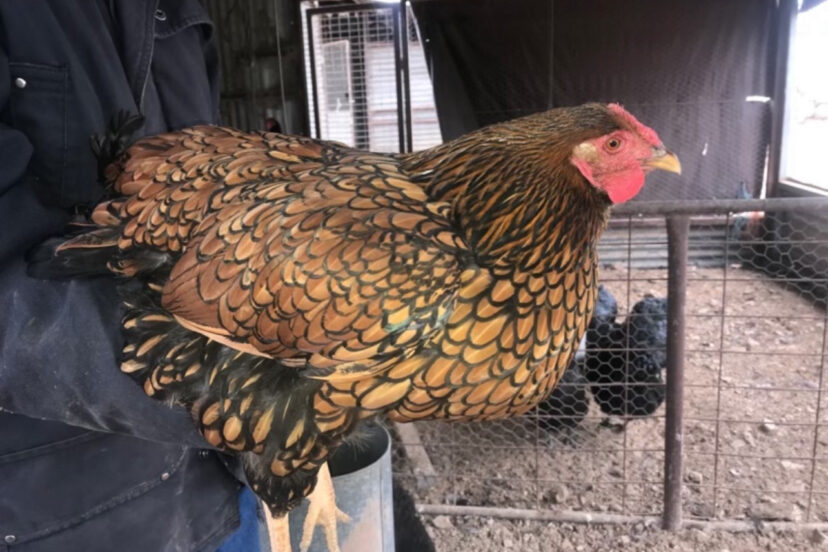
(322, 511)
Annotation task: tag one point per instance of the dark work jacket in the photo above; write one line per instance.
(87, 461)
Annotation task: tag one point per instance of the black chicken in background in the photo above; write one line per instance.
(621, 364)
(625, 363)
(564, 409)
(273, 125)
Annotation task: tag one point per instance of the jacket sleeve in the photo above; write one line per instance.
(211, 60)
(60, 341)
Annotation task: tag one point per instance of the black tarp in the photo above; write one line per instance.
(489, 59)
(684, 68)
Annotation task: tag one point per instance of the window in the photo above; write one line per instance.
(805, 145)
(336, 78)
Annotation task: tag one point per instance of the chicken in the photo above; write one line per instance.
(625, 362)
(745, 226)
(283, 289)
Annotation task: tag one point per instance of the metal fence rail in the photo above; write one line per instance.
(740, 437)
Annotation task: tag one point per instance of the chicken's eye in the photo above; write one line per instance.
(612, 145)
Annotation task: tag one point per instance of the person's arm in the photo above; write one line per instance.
(60, 341)
(213, 69)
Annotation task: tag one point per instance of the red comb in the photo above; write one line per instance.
(643, 130)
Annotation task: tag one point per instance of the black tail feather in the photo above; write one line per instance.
(46, 261)
(86, 250)
(79, 254)
(108, 146)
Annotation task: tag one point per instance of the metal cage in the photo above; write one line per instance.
(740, 437)
(367, 81)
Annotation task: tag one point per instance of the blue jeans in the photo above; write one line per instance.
(251, 536)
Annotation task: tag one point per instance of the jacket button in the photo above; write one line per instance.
(20, 82)
(165, 476)
(160, 15)
(9, 539)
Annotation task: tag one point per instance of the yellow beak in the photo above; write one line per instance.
(664, 160)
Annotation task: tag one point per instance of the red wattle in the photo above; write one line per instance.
(621, 186)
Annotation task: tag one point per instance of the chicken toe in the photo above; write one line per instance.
(322, 511)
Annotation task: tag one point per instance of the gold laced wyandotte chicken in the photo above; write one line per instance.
(284, 288)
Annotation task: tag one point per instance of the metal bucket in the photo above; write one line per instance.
(361, 471)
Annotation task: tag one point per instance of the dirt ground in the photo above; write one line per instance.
(753, 448)
(460, 533)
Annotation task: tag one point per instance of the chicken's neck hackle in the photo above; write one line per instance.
(514, 197)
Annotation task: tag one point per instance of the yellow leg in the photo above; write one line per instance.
(322, 511)
(278, 532)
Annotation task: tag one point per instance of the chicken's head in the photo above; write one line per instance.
(617, 163)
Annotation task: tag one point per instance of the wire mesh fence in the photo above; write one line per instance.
(755, 328)
(755, 445)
